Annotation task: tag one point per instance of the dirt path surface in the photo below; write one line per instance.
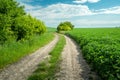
(22, 69)
(73, 66)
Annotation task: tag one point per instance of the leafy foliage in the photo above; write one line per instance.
(15, 24)
(101, 49)
(26, 26)
(65, 26)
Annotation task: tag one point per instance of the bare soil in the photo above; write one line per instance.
(23, 68)
(73, 65)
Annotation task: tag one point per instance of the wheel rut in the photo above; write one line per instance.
(73, 66)
(24, 68)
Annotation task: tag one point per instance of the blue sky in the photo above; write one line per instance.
(82, 13)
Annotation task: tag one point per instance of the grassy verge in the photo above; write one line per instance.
(14, 51)
(47, 69)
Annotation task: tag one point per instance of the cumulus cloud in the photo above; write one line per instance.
(84, 1)
(113, 10)
(93, 1)
(55, 13)
(59, 10)
(80, 1)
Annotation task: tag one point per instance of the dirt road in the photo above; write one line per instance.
(73, 66)
(22, 69)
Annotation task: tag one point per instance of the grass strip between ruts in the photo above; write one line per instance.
(47, 69)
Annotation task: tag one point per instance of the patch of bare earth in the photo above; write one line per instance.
(23, 68)
(73, 65)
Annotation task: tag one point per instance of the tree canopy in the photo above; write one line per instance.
(16, 24)
(65, 26)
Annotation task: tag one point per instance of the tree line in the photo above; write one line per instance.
(15, 24)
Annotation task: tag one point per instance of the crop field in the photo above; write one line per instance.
(101, 49)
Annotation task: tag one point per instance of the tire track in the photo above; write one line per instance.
(73, 66)
(23, 68)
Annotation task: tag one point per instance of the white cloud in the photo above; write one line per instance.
(113, 10)
(60, 11)
(80, 1)
(84, 1)
(66, 10)
(93, 1)
(55, 13)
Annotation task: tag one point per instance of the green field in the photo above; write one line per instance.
(101, 49)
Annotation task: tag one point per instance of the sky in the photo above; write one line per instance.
(81, 13)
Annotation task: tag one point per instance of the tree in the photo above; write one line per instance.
(65, 26)
(26, 26)
(15, 24)
(9, 11)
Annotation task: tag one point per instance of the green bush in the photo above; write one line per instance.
(65, 26)
(15, 24)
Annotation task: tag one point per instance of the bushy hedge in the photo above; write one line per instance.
(15, 24)
(26, 26)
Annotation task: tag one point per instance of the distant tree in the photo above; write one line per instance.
(65, 26)
(69, 24)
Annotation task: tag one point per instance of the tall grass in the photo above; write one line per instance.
(47, 69)
(14, 51)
